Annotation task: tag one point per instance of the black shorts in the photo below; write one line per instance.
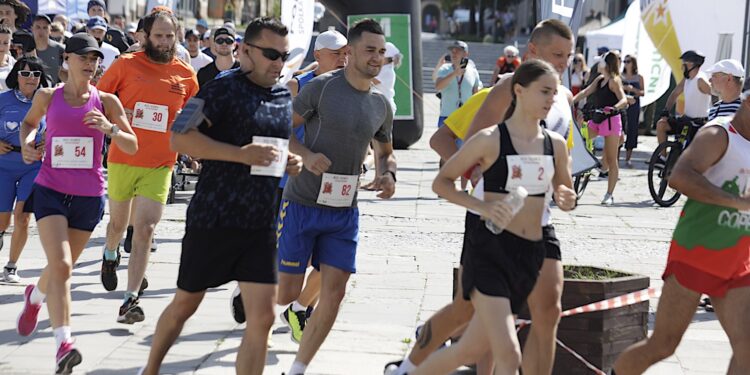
(83, 213)
(214, 257)
(551, 243)
(502, 265)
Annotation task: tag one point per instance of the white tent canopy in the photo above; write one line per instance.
(609, 36)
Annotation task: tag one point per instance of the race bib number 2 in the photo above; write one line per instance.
(337, 190)
(152, 117)
(73, 152)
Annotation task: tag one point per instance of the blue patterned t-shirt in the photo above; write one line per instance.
(227, 195)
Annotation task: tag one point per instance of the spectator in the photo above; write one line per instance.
(578, 73)
(506, 63)
(6, 60)
(63, 20)
(23, 44)
(385, 82)
(198, 59)
(97, 27)
(224, 42)
(57, 32)
(13, 13)
(48, 50)
(633, 87)
(113, 35)
(201, 26)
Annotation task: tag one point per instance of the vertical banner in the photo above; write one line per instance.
(397, 28)
(298, 16)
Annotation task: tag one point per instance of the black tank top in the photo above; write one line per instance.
(533, 172)
(604, 97)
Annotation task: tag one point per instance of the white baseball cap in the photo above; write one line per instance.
(330, 39)
(728, 66)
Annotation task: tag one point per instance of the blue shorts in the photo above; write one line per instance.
(441, 123)
(83, 213)
(15, 183)
(319, 235)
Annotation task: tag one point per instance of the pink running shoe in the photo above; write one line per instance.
(67, 357)
(27, 320)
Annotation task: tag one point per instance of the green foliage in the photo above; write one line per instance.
(591, 273)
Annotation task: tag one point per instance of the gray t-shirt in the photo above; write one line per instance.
(340, 121)
(52, 58)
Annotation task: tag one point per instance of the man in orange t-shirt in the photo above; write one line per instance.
(153, 86)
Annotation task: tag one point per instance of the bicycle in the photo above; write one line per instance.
(660, 168)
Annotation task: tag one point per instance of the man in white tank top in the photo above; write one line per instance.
(697, 92)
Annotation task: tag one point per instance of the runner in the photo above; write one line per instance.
(16, 177)
(607, 94)
(153, 85)
(330, 54)
(709, 252)
(495, 277)
(319, 216)
(68, 193)
(551, 41)
(246, 127)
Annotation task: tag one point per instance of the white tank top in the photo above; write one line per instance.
(734, 166)
(696, 102)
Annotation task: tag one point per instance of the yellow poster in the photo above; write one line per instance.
(657, 20)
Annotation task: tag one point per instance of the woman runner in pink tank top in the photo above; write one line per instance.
(68, 194)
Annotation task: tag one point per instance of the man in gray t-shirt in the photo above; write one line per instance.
(318, 218)
(49, 51)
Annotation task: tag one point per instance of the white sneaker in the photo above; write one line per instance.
(608, 199)
(11, 275)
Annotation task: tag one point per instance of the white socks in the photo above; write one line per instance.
(61, 334)
(296, 306)
(406, 367)
(36, 297)
(298, 368)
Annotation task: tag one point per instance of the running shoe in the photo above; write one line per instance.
(11, 275)
(128, 243)
(28, 318)
(236, 307)
(295, 320)
(130, 312)
(608, 200)
(153, 245)
(67, 357)
(144, 285)
(391, 367)
(603, 174)
(109, 272)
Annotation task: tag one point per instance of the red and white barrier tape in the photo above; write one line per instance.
(578, 356)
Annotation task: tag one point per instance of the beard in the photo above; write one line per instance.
(155, 54)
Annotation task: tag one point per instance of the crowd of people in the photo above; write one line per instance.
(289, 236)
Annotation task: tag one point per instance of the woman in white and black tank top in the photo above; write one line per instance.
(501, 269)
(633, 86)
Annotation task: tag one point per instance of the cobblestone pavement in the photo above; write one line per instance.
(408, 247)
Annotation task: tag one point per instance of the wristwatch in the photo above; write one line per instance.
(393, 174)
(113, 130)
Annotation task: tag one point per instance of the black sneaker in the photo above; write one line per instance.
(238, 310)
(128, 243)
(109, 272)
(130, 312)
(153, 245)
(144, 285)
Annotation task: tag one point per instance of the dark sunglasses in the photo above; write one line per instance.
(627, 61)
(271, 53)
(224, 41)
(576, 61)
(29, 73)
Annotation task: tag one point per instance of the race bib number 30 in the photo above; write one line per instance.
(73, 152)
(152, 117)
(337, 190)
(278, 166)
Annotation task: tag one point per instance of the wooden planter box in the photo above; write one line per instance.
(600, 336)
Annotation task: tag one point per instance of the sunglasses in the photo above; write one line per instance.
(224, 41)
(576, 61)
(627, 61)
(271, 53)
(30, 73)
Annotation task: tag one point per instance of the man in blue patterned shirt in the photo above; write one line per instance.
(230, 234)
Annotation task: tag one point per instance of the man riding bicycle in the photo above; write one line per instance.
(697, 92)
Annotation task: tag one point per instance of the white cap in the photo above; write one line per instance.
(391, 50)
(728, 66)
(330, 39)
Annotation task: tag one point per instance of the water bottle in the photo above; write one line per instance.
(515, 199)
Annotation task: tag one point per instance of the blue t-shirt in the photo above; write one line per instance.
(450, 98)
(227, 195)
(299, 132)
(13, 108)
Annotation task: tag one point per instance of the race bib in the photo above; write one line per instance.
(337, 190)
(73, 152)
(278, 166)
(152, 117)
(530, 171)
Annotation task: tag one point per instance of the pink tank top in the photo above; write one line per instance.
(72, 161)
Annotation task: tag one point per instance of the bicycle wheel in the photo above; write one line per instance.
(580, 183)
(659, 172)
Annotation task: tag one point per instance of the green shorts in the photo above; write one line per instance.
(125, 182)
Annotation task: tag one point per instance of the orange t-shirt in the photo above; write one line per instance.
(153, 93)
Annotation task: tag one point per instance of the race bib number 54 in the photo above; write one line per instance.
(73, 152)
(337, 190)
